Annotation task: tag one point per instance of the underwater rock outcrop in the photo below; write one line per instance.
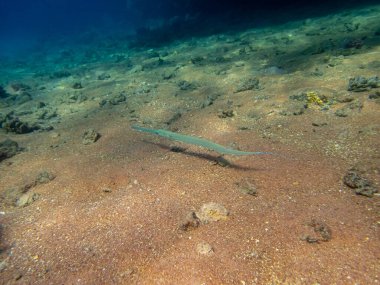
(360, 83)
(361, 185)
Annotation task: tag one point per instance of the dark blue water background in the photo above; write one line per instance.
(25, 24)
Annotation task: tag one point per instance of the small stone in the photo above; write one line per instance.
(118, 99)
(204, 248)
(26, 199)
(343, 112)
(77, 85)
(319, 124)
(44, 177)
(3, 265)
(229, 113)
(190, 222)
(168, 75)
(247, 187)
(212, 212)
(90, 136)
(104, 76)
(322, 229)
(186, 85)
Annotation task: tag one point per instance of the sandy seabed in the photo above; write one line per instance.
(115, 211)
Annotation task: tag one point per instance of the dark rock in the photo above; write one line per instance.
(90, 136)
(252, 83)
(210, 100)
(20, 87)
(361, 185)
(40, 105)
(104, 76)
(322, 230)
(191, 222)
(353, 43)
(197, 60)
(116, 100)
(3, 93)
(175, 117)
(46, 114)
(360, 83)
(77, 85)
(186, 85)
(14, 125)
(77, 98)
(8, 148)
(60, 74)
(103, 102)
(294, 109)
(176, 148)
(343, 112)
(374, 96)
(226, 113)
(168, 75)
(317, 72)
(318, 124)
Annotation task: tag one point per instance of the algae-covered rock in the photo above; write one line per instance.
(90, 136)
(203, 248)
(361, 185)
(251, 83)
(360, 83)
(27, 199)
(212, 212)
(14, 125)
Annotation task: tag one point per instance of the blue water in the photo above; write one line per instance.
(26, 24)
